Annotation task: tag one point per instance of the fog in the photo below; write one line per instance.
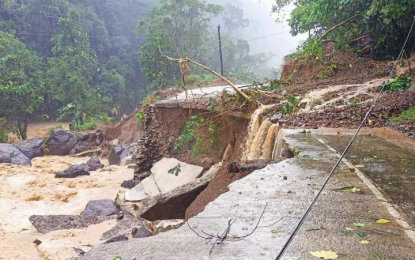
(262, 25)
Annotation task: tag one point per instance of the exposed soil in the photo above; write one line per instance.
(390, 104)
(126, 131)
(336, 68)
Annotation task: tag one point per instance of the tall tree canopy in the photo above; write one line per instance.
(387, 22)
(86, 50)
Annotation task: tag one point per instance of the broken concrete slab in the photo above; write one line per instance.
(100, 208)
(145, 189)
(123, 227)
(168, 182)
(48, 223)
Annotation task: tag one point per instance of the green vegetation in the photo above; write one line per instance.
(400, 83)
(386, 22)
(5, 128)
(290, 107)
(60, 54)
(176, 170)
(406, 116)
(191, 136)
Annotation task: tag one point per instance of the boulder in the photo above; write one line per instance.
(141, 232)
(10, 154)
(61, 142)
(128, 184)
(118, 153)
(74, 171)
(94, 163)
(100, 208)
(31, 148)
(48, 223)
(86, 141)
(275, 118)
(116, 239)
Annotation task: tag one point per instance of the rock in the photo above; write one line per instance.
(10, 154)
(275, 118)
(31, 148)
(128, 184)
(48, 223)
(94, 163)
(116, 239)
(61, 142)
(126, 160)
(37, 242)
(141, 232)
(100, 208)
(284, 93)
(118, 153)
(74, 171)
(248, 166)
(86, 141)
(79, 251)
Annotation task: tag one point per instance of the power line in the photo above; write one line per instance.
(140, 36)
(286, 245)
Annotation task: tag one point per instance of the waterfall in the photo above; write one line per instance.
(269, 144)
(264, 139)
(256, 148)
(278, 145)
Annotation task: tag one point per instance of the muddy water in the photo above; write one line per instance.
(388, 165)
(27, 191)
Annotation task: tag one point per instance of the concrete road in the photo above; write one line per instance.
(339, 222)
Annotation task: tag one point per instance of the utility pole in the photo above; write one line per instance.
(220, 52)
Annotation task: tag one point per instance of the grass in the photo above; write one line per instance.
(406, 116)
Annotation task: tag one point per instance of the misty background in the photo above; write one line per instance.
(263, 34)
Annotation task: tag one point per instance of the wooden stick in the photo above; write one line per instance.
(86, 152)
(211, 71)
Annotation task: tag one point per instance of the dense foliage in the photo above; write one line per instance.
(69, 54)
(386, 23)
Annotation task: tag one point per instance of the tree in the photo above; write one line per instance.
(20, 90)
(73, 66)
(387, 22)
(234, 18)
(179, 28)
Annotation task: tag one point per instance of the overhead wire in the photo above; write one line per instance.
(303, 218)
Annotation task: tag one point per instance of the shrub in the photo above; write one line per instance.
(401, 83)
